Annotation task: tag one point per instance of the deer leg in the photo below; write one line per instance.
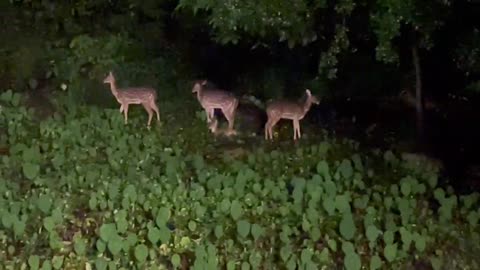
(266, 129)
(153, 105)
(121, 108)
(299, 134)
(272, 125)
(125, 112)
(230, 115)
(294, 130)
(150, 113)
(211, 114)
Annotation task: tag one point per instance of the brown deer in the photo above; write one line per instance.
(211, 99)
(134, 95)
(284, 109)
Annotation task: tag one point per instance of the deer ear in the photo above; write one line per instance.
(308, 92)
(204, 82)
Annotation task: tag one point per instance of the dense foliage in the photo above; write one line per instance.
(83, 190)
(305, 22)
(80, 189)
(76, 42)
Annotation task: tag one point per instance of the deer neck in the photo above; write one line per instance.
(114, 89)
(200, 95)
(306, 106)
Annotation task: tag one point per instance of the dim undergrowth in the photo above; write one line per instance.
(82, 190)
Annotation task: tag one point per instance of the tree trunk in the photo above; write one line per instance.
(418, 94)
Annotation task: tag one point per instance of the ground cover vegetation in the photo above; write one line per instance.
(79, 189)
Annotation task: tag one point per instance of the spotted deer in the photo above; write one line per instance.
(211, 99)
(134, 95)
(291, 110)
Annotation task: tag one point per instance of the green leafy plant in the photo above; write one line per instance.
(111, 196)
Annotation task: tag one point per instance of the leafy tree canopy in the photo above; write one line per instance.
(302, 22)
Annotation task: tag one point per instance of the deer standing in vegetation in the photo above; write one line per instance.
(134, 95)
(211, 99)
(284, 109)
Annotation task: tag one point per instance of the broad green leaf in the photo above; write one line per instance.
(324, 256)
(420, 242)
(163, 216)
(372, 233)
(57, 262)
(406, 188)
(342, 203)
(108, 231)
(328, 204)
(255, 259)
(257, 231)
(231, 265)
(323, 168)
(346, 169)
(164, 234)
(79, 245)
(47, 265)
(19, 227)
(30, 170)
(375, 262)
(175, 260)
(101, 263)
(132, 239)
(153, 235)
(192, 225)
(236, 210)
(200, 211)
(185, 242)
(332, 244)
(352, 261)
(390, 252)
(7, 219)
(388, 237)
(245, 266)
(115, 244)
(218, 231)
(433, 180)
(48, 223)
(34, 262)
(437, 263)
(141, 253)
(285, 252)
(292, 264)
(347, 226)
(406, 238)
(101, 245)
(225, 205)
(243, 228)
(44, 203)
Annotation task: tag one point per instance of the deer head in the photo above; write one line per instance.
(198, 86)
(311, 97)
(110, 78)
